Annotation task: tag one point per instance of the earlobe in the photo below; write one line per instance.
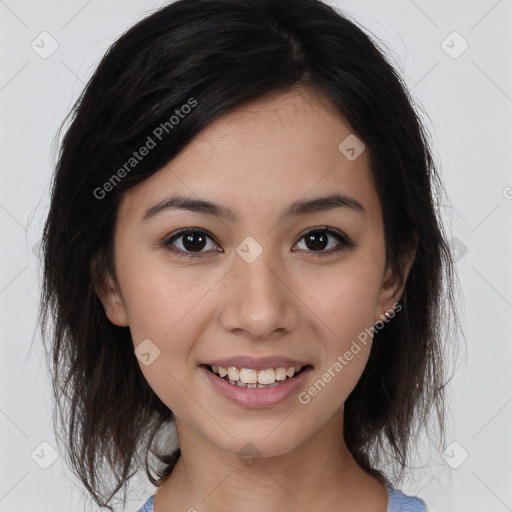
(390, 292)
(392, 288)
(109, 293)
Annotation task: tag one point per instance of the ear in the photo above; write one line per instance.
(108, 290)
(391, 288)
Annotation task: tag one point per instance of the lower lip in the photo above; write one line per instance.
(257, 397)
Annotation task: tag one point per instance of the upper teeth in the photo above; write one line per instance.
(250, 376)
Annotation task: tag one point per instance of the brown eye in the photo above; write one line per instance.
(192, 242)
(318, 239)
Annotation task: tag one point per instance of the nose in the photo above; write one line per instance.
(257, 299)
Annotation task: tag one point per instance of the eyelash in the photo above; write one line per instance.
(346, 243)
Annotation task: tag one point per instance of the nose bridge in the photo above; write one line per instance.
(257, 298)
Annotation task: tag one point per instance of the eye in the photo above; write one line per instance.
(317, 240)
(192, 242)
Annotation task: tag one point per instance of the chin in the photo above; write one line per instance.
(250, 445)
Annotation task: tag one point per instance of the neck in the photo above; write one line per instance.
(319, 474)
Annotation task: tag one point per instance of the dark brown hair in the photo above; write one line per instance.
(223, 53)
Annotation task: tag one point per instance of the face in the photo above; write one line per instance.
(266, 281)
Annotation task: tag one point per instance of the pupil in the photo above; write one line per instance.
(189, 244)
(316, 234)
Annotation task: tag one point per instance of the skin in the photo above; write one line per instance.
(257, 160)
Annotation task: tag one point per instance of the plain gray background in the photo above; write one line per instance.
(468, 98)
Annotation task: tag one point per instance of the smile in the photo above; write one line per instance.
(251, 378)
(255, 393)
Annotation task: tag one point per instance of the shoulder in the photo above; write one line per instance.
(148, 506)
(400, 502)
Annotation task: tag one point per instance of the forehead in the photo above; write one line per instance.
(262, 156)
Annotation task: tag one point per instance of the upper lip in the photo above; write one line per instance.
(257, 363)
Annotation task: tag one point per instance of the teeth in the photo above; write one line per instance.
(233, 373)
(247, 377)
(280, 373)
(267, 376)
(290, 371)
(242, 385)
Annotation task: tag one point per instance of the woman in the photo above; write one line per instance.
(243, 243)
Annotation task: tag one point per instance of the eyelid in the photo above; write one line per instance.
(332, 231)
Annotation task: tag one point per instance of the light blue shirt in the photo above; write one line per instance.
(398, 502)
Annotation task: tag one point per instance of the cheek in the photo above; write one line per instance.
(171, 322)
(166, 313)
(159, 298)
(343, 299)
(343, 303)
(346, 307)
(170, 318)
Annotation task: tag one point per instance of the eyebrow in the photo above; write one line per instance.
(299, 207)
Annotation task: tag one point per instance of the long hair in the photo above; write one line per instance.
(221, 54)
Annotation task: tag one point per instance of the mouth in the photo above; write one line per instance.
(257, 379)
